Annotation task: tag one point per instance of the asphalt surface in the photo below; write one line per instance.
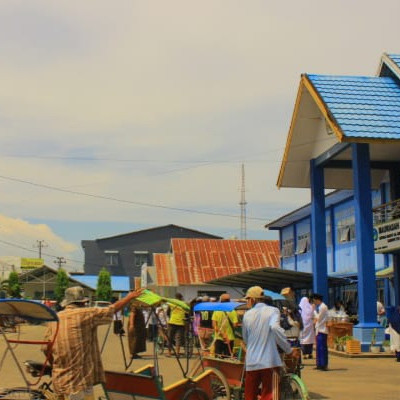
(346, 378)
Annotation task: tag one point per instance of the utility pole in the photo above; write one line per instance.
(40, 244)
(60, 261)
(243, 203)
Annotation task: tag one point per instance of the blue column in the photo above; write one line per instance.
(318, 231)
(365, 248)
(364, 239)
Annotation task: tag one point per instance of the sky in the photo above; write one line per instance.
(119, 116)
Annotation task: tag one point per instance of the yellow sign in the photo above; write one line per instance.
(31, 263)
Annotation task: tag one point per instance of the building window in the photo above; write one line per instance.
(328, 234)
(303, 243)
(288, 248)
(346, 231)
(141, 257)
(112, 258)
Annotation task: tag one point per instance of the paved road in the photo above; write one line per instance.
(347, 379)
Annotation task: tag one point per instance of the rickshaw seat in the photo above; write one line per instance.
(125, 385)
(130, 386)
(147, 370)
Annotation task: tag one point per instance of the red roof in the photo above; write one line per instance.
(201, 260)
(165, 270)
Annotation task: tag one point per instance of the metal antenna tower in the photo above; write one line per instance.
(243, 203)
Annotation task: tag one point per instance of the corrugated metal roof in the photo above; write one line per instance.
(200, 260)
(165, 270)
(118, 283)
(363, 107)
(395, 58)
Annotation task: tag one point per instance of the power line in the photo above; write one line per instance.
(137, 203)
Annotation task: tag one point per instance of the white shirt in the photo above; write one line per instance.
(262, 334)
(322, 318)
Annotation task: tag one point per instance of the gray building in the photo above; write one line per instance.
(126, 253)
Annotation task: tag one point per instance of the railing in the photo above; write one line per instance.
(386, 212)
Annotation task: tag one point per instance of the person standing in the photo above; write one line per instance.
(307, 335)
(76, 354)
(394, 330)
(321, 330)
(262, 335)
(224, 324)
(380, 314)
(136, 332)
(176, 326)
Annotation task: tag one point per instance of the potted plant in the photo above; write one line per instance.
(338, 343)
(345, 339)
(374, 348)
(386, 346)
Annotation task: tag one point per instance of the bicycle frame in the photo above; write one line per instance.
(30, 311)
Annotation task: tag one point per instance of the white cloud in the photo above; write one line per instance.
(172, 80)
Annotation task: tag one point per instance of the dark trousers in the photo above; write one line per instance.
(269, 380)
(322, 350)
(223, 349)
(307, 349)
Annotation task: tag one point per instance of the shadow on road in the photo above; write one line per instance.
(317, 396)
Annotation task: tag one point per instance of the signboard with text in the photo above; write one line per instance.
(387, 237)
(31, 263)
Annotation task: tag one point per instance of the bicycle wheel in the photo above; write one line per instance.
(195, 394)
(22, 394)
(219, 385)
(293, 388)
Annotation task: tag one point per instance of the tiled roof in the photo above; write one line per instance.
(165, 270)
(201, 260)
(395, 58)
(363, 107)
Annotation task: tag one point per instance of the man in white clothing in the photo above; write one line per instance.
(262, 334)
(321, 331)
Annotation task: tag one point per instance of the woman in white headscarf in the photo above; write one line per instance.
(307, 335)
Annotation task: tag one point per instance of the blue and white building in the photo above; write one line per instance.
(345, 136)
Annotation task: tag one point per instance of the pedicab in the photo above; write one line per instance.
(232, 367)
(31, 312)
(147, 382)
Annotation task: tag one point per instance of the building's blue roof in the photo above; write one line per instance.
(304, 212)
(118, 283)
(363, 107)
(395, 58)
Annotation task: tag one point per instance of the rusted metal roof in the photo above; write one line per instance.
(165, 269)
(200, 260)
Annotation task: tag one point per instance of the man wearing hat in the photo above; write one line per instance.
(224, 324)
(76, 355)
(262, 334)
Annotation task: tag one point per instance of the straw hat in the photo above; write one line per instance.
(255, 292)
(74, 294)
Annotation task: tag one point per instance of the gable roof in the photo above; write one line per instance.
(200, 260)
(159, 228)
(331, 111)
(361, 107)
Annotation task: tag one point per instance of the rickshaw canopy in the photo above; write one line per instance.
(212, 306)
(27, 309)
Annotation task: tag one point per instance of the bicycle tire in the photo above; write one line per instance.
(219, 385)
(293, 388)
(22, 394)
(195, 394)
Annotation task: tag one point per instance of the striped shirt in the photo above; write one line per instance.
(76, 355)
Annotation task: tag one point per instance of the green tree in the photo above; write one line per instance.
(12, 286)
(62, 283)
(104, 290)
